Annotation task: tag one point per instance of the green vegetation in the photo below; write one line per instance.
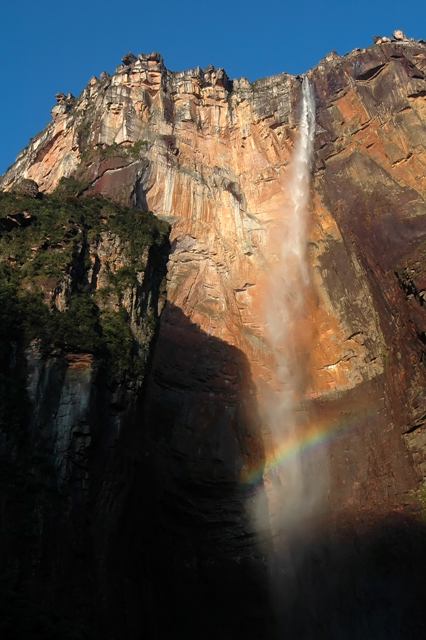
(48, 251)
(71, 187)
(119, 344)
(114, 150)
(420, 495)
(53, 250)
(56, 243)
(135, 150)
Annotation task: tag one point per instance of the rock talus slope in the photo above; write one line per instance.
(211, 156)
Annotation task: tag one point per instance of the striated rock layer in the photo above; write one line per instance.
(211, 156)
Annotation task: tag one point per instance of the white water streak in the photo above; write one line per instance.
(289, 498)
(300, 181)
(289, 273)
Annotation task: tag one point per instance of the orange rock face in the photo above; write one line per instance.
(212, 157)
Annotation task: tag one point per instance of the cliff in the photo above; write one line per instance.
(210, 156)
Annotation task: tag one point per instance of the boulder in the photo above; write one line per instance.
(129, 58)
(153, 56)
(398, 34)
(380, 39)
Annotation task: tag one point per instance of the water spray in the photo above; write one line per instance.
(284, 495)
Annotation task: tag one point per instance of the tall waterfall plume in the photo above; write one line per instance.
(284, 308)
(286, 497)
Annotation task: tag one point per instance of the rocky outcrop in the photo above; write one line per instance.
(81, 291)
(211, 156)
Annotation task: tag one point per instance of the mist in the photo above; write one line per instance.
(288, 495)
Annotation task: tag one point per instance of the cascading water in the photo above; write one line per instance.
(287, 497)
(300, 181)
(289, 267)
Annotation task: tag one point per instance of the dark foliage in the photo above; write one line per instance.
(53, 247)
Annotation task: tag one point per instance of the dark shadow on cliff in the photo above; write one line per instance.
(161, 547)
(193, 568)
(185, 554)
(359, 576)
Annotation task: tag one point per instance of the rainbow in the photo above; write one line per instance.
(302, 443)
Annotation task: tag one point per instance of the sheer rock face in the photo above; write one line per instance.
(212, 156)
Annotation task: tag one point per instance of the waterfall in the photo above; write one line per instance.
(286, 497)
(284, 307)
(288, 270)
(301, 179)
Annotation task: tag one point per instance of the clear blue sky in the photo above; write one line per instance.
(51, 46)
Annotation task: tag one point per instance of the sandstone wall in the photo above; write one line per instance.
(211, 156)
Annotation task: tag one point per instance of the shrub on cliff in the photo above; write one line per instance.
(45, 246)
(53, 248)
